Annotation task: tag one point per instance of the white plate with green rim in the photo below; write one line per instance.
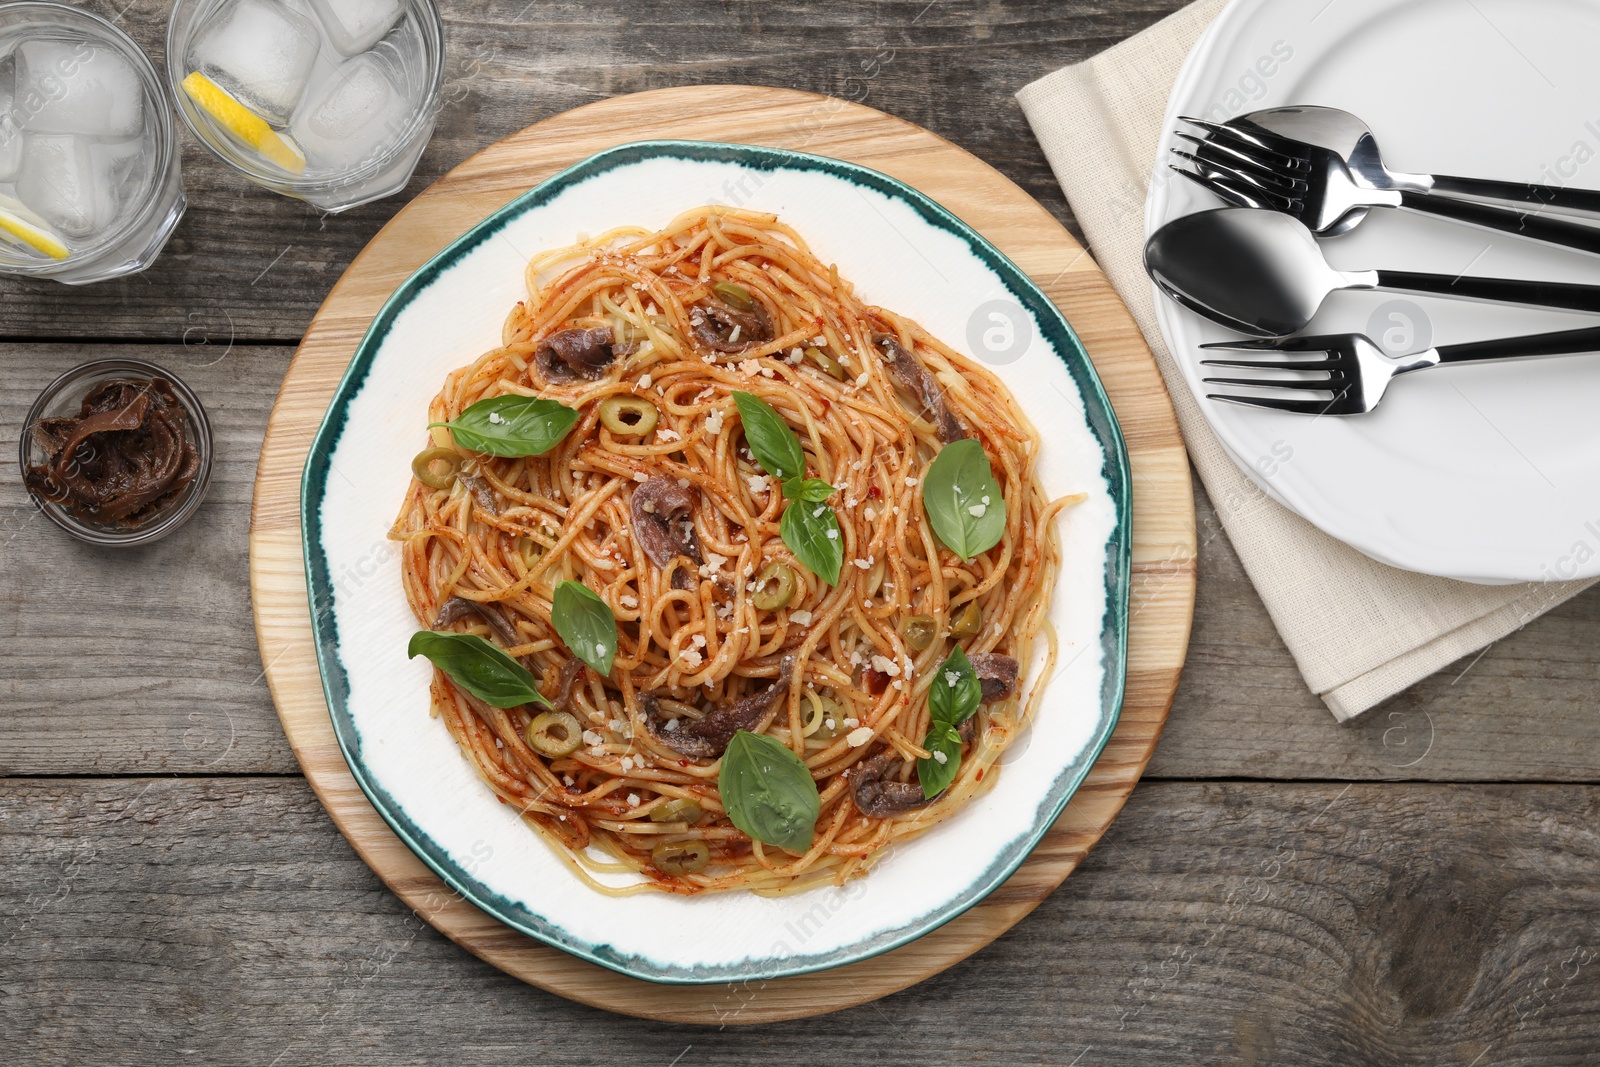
(902, 251)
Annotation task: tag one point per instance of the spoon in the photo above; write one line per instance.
(1262, 273)
(1347, 137)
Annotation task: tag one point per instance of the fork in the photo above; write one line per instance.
(1354, 373)
(1313, 185)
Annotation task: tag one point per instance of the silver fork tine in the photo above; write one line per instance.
(1299, 407)
(1214, 152)
(1328, 381)
(1272, 364)
(1251, 142)
(1302, 343)
(1234, 196)
(1282, 200)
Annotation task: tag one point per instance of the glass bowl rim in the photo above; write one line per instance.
(176, 513)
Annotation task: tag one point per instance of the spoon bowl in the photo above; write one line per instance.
(1262, 273)
(1258, 272)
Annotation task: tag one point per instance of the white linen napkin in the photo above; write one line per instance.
(1359, 631)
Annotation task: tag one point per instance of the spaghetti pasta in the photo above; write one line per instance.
(656, 502)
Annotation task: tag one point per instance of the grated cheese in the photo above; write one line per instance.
(859, 737)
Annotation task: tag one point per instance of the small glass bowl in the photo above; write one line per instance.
(64, 397)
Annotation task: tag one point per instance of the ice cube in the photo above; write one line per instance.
(120, 170)
(10, 136)
(356, 25)
(76, 87)
(59, 181)
(261, 52)
(349, 116)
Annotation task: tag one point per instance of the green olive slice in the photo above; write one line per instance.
(427, 467)
(826, 363)
(678, 809)
(919, 631)
(680, 857)
(774, 586)
(628, 416)
(734, 295)
(554, 734)
(968, 620)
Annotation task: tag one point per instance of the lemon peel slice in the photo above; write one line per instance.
(35, 235)
(243, 123)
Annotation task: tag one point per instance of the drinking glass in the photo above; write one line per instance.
(89, 179)
(329, 101)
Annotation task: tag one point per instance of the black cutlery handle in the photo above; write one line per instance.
(1568, 234)
(1566, 342)
(1553, 195)
(1504, 290)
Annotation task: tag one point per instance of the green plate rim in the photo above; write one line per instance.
(1056, 331)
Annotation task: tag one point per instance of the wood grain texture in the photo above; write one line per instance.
(950, 66)
(1524, 711)
(1319, 925)
(225, 920)
(1163, 538)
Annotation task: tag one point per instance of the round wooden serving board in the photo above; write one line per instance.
(1163, 517)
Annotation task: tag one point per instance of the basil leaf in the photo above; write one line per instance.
(512, 425)
(478, 667)
(963, 500)
(774, 445)
(585, 624)
(814, 539)
(956, 691)
(768, 792)
(810, 490)
(935, 776)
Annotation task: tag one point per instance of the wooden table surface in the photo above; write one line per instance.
(1419, 887)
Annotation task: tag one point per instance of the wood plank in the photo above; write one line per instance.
(1525, 711)
(139, 660)
(1312, 924)
(257, 265)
